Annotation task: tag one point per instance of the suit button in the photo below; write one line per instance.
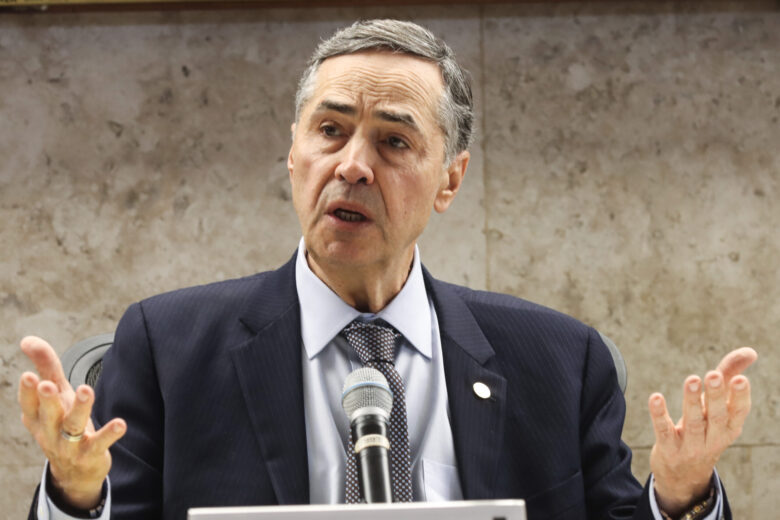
(481, 390)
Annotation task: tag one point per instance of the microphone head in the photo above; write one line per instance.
(366, 387)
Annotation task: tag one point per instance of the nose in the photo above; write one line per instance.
(356, 164)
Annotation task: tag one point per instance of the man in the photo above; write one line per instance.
(229, 393)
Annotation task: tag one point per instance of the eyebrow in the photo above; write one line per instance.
(342, 108)
(397, 117)
(385, 115)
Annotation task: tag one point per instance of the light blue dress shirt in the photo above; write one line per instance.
(327, 361)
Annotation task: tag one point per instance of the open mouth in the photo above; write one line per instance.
(349, 216)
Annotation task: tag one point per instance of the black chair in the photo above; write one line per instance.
(83, 361)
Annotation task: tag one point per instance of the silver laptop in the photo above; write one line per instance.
(462, 510)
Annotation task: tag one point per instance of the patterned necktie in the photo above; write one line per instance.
(375, 346)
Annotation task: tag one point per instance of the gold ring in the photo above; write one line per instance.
(71, 438)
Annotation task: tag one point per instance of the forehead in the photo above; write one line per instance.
(380, 78)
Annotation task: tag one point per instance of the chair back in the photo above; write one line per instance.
(83, 361)
(620, 363)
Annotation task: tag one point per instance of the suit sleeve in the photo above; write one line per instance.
(610, 487)
(128, 388)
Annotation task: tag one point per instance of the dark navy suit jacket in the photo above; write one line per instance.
(209, 381)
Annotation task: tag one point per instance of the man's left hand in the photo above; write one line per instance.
(684, 454)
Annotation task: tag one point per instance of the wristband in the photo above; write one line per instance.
(699, 511)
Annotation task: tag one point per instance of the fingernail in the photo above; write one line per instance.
(714, 382)
(27, 381)
(693, 386)
(657, 401)
(117, 428)
(740, 385)
(83, 396)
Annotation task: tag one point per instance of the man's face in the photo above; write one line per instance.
(367, 159)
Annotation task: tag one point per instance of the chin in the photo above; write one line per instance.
(343, 254)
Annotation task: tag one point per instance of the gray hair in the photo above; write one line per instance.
(456, 109)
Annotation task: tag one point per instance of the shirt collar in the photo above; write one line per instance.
(324, 314)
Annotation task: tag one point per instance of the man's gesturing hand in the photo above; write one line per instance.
(684, 454)
(51, 410)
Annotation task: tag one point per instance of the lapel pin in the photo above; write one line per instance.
(481, 390)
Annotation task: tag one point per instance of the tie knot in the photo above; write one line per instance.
(372, 340)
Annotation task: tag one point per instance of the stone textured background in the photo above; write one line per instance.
(626, 171)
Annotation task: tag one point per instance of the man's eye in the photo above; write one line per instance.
(330, 131)
(397, 142)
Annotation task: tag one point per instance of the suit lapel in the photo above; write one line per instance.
(477, 423)
(269, 372)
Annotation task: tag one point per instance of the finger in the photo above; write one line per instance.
(736, 361)
(663, 426)
(693, 420)
(107, 435)
(717, 411)
(28, 395)
(75, 421)
(738, 405)
(46, 361)
(50, 410)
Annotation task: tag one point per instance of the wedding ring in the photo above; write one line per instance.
(71, 438)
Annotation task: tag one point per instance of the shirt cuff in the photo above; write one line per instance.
(47, 510)
(716, 513)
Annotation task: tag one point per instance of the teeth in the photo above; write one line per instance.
(349, 216)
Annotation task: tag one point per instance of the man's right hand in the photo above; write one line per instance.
(52, 411)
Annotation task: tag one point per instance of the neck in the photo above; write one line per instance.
(366, 288)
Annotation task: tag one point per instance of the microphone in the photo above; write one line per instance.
(367, 401)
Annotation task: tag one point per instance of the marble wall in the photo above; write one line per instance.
(626, 171)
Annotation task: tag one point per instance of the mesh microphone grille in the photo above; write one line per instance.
(366, 387)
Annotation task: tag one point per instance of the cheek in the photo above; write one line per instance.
(414, 197)
(298, 185)
(305, 174)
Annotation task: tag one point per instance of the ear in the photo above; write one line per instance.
(452, 178)
(290, 162)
